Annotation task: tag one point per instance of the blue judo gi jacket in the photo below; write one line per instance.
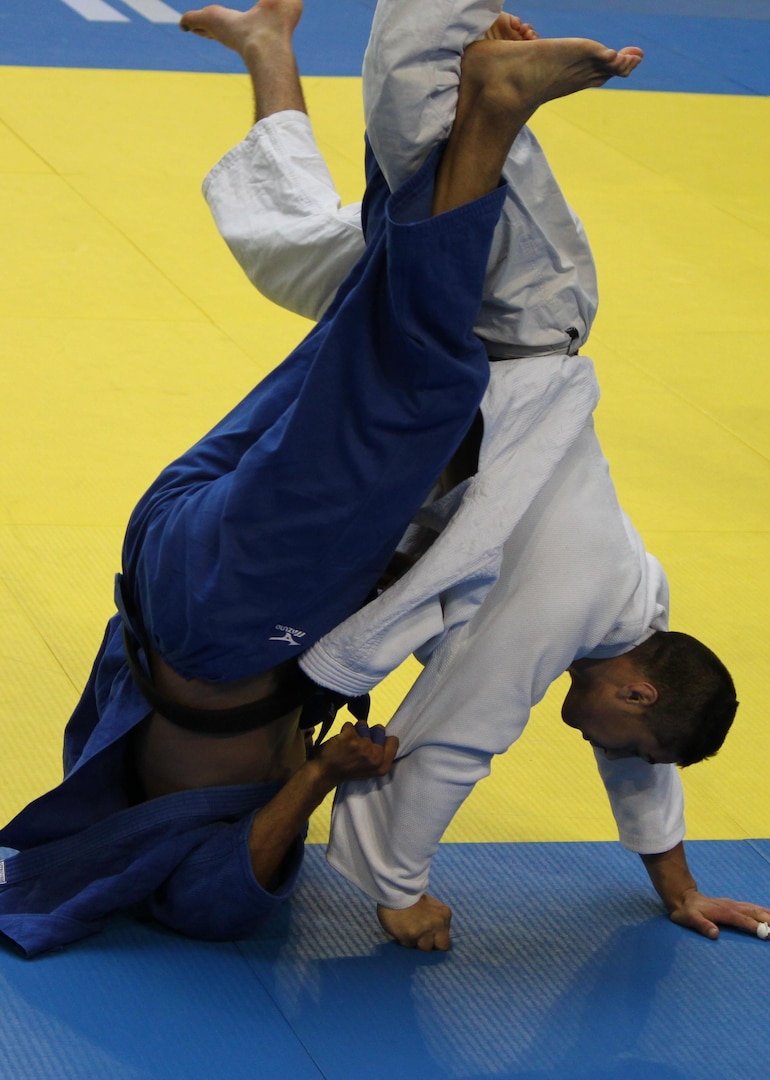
(84, 852)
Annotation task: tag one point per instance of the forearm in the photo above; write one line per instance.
(356, 753)
(276, 827)
(670, 876)
(688, 907)
(274, 202)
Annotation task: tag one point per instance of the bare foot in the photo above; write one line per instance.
(516, 77)
(502, 83)
(510, 28)
(267, 21)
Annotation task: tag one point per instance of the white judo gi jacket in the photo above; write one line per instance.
(533, 563)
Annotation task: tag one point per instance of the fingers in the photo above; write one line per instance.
(362, 752)
(379, 737)
(439, 940)
(424, 926)
(376, 733)
(695, 920)
(753, 919)
(707, 929)
(389, 751)
(744, 916)
(705, 914)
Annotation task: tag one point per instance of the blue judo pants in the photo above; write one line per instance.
(277, 525)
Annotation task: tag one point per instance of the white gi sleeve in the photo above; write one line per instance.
(647, 802)
(274, 202)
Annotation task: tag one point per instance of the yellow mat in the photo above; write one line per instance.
(127, 330)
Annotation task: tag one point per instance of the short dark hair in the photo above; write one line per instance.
(696, 695)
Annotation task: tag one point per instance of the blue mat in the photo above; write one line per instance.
(689, 48)
(563, 968)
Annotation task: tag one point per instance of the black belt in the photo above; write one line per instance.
(497, 351)
(296, 690)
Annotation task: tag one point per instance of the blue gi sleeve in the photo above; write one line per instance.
(182, 858)
(213, 893)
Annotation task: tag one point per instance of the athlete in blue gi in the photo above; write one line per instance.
(186, 787)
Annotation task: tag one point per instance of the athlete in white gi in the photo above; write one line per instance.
(533, 568)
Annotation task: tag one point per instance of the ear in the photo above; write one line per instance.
(640, 693)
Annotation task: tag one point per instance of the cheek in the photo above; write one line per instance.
(570, 709)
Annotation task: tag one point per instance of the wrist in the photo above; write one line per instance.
(317, 777)
(670, 876)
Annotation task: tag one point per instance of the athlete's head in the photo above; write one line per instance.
(669, 699)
